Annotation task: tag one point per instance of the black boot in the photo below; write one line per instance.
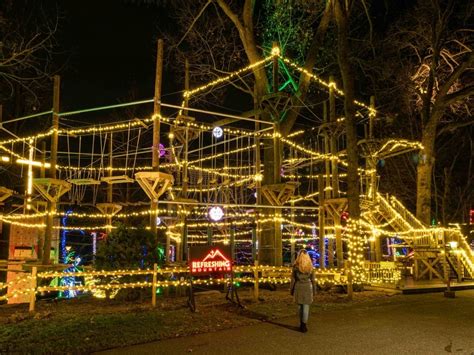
(304, 329)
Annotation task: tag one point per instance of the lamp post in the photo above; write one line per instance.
(452, 245)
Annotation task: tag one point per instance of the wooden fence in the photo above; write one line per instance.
(107, 283)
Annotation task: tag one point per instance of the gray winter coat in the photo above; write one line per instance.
(302, 286)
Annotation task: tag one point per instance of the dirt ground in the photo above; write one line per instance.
(99, 324)
(277, 302)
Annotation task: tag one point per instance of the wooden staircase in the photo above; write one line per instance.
(437, 251)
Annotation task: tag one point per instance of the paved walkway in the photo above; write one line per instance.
(416, 324)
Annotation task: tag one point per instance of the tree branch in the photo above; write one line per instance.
(233, 17)
(453, 126)
(309, 64)
(444, 89)
(449, 99)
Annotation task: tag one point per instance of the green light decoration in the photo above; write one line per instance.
(290, 23)
(74, 262)
(161, 253)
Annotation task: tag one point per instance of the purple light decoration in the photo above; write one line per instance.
(162, 150)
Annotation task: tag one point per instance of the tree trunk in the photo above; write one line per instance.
(343, 52)
(425, 169)
(355, 243)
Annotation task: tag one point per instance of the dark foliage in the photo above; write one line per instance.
(125, 247)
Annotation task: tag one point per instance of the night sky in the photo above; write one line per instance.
(109, 52)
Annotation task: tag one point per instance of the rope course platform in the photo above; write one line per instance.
(118, 179)
(222, 161)
(51, 189)
(154, 183)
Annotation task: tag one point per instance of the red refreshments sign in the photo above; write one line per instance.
(210, 260)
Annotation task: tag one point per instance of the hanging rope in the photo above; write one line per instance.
(126, 151)
(136, 150)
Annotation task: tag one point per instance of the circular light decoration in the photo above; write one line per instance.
(217, 132)
(158, 221)
(216, 213)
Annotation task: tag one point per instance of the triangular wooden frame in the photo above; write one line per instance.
(51, 189)
(109, 208)
(5, 193)
(278, 194)
(154, 183)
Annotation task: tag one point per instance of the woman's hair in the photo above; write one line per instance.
(303, 262)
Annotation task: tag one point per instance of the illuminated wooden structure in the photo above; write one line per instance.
(201, 170)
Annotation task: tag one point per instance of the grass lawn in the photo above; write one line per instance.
(87, 324)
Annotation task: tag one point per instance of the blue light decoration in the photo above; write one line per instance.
(68, 257)
(70, 281)
(63, 255)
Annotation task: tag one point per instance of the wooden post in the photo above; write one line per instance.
(459, 267)
(186, 85)
(254, 244)
(339, 253)
(255, 283)
(350, 289)
(186, 143)
(293, 233)
(153, 286)
(333, 141)
(54, 137)
(52, 171)
(331, 252)
(277, 151)
(321, 222)
(184, 181)
(43, 159)
(448, 293)
(34, 271)
(327, 150)
(209, 235)
(185, 240)
(156, 129)
(278, 240)
(110, 188)
(29, 180)
(41, 232)
(378, 248)
(258, 183)
(232, 243)
(275, 70)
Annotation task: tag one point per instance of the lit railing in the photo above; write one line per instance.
(382, 273)
(106, 283)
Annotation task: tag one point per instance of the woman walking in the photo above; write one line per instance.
(303, 286)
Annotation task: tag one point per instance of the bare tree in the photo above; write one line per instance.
(441, 58)
(420, 73)
(26, 50)
(220, 36)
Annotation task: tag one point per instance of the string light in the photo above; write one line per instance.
(282, 276)
(235, 74)
(329, 85)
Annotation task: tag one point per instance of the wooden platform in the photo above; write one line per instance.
(411, 287)
(430, 287)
